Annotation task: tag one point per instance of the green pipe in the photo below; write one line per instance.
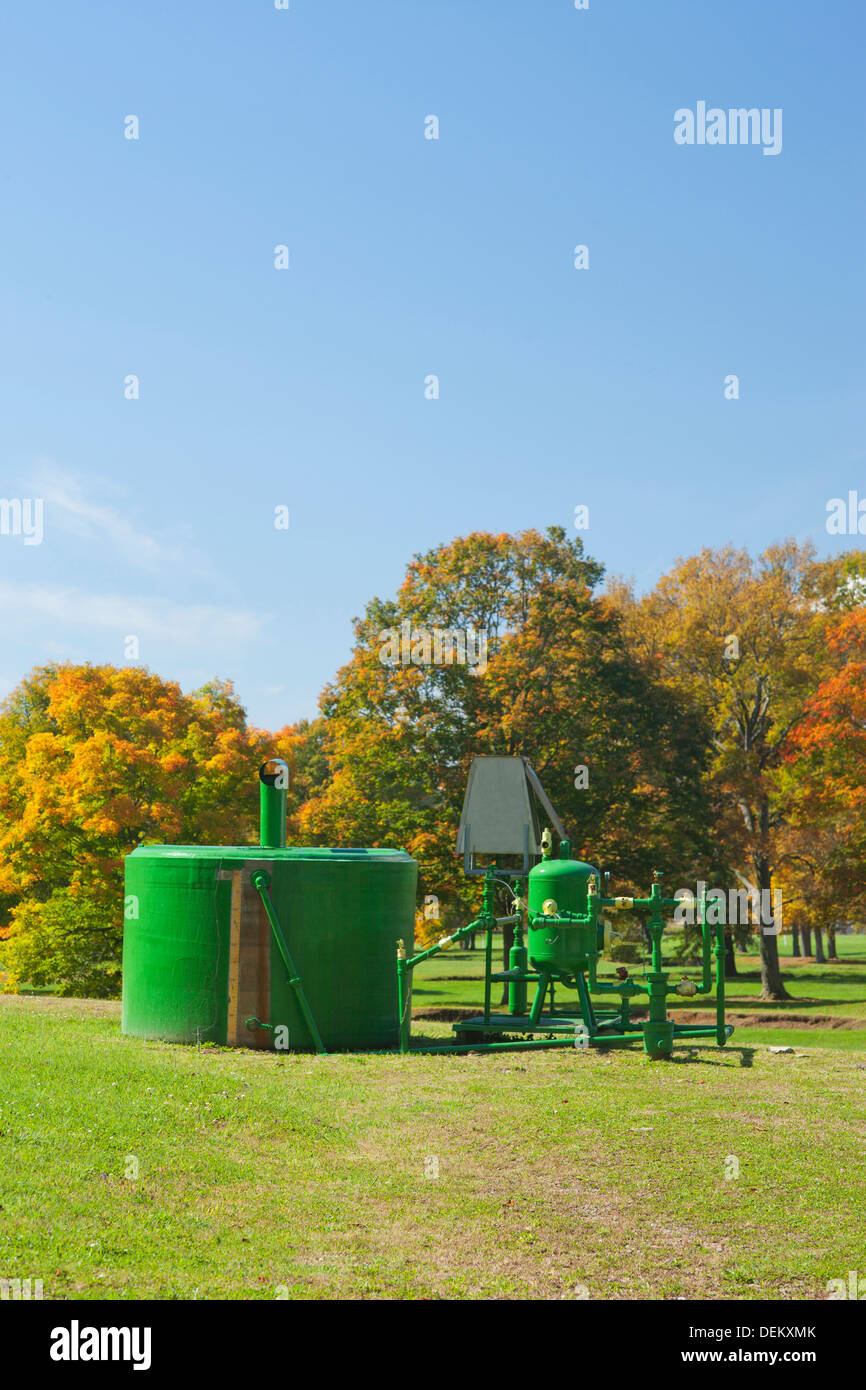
(707, 975)
(722, 1033)
(260, 881)
(273, 782)
(488, 965)
(656, 926)
(405, 966)
(529, 1045)
(538, 999)
(518, 960)
(655, 900)
(706, 952)
(446, 941)
(573, 919)
(403, 997)
(586, 1004)
(616, 1040)
(701, 1030)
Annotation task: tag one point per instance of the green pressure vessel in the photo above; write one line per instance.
(562, 882)
(200, 959)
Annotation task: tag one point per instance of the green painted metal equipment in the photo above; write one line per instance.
(559, 888)
(176, 945)
(273, 784)
(273, 947)
(561, 917)
(261, 881)
(292, 948)
(564, 950)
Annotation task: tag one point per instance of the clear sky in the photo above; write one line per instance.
(408, 256)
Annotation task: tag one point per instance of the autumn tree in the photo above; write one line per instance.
(823, 781)
(621, 757)
(94, 760)
(743, 640)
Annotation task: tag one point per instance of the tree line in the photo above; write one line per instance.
(714, 728)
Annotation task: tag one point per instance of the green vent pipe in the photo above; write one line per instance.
(273, 783)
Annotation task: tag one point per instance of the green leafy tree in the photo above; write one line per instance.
(558, 684)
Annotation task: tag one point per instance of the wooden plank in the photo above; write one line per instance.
(254, 962)
(234, 1020)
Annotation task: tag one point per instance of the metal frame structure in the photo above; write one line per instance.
(586, 1025)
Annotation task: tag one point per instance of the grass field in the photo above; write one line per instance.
(558, 1175)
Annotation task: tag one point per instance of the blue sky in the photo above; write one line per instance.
(408, 257)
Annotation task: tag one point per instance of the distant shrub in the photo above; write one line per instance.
(627, 952)
(68, 941)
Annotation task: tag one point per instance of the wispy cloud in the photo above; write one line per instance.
(77, 506)
(187, 624)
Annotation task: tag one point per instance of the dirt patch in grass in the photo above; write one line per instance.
(775, 1020)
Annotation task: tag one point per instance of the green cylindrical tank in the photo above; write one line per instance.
(565, 882)
(199, 958)
(175, 945)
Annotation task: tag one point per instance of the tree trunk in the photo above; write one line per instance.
(731, 972)
(772, 986)
(795, 941)
(831, 943)
(807, 941)
(820, 958)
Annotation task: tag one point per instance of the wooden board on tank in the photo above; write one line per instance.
(249, 961)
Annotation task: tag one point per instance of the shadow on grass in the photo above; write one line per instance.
(842, 977)
(684, 1055)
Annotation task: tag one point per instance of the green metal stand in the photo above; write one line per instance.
(585, 1025)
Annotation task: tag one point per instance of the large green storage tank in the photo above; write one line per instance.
(200, 958)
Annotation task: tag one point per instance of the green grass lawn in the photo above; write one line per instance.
(518, 1175)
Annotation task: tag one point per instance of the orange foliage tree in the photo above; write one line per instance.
(94, 760)
(824, 781)
(745, 641)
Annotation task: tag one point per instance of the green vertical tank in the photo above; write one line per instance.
(565, 883)
(201, 962)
